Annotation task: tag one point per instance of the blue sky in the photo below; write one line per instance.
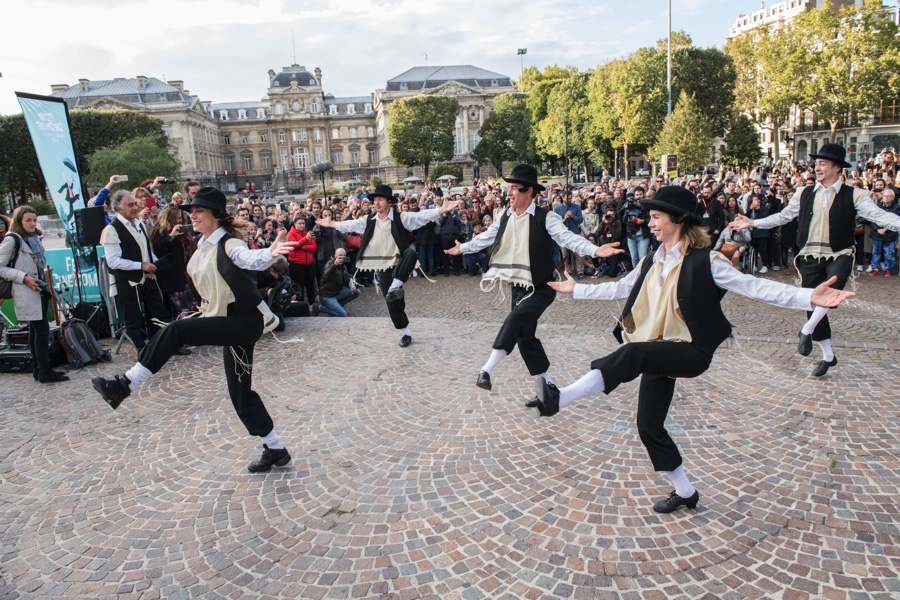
(222, 49)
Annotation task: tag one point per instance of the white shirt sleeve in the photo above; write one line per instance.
(353, 226)
(482, 240)
(787, 214)
(612, 290)
(414, 220)
(252, 260)
(565, 238)
(869, 211)
(756, 288)
(115, 261)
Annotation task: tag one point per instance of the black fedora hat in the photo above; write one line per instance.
(526, 175)
(677, 201)
(382, 190)
(208, 197)
(835, 153)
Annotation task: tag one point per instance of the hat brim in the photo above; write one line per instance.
(532, 184)
(841, 163)
(651, 204)
(216, 209)
(371, 197)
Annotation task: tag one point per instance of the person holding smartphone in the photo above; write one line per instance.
(174, 244)
(102, 196)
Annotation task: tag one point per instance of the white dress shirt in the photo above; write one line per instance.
(411, 220)
(724, 275)
(243, 257)
(113, 252)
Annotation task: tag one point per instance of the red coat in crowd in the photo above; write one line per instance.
(305, 251)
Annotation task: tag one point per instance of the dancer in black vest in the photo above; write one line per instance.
(232, 314)
(522, 256)
(671, 325)
(826, 216)
(129, 255)
(385, 248)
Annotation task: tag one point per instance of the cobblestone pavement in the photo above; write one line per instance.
(408, 481)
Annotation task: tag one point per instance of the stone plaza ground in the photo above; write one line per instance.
(407, 481)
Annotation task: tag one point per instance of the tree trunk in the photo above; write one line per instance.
(833, 137)
(426, 169)
(625, 150)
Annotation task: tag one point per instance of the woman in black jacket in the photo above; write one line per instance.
(759, 238)
(174, 242)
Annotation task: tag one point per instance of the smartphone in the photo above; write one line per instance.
(121, 178)
(187, 228)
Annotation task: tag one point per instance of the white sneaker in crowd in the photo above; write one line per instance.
(859, 267)
(868, 269)
(763, 270)
(776, 268)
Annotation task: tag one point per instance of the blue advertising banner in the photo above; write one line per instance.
(48, 123)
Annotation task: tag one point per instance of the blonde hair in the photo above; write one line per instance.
(167, 220)
(694, 237)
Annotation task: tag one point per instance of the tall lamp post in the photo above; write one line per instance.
(566, 129)
(521, 52)
(669, 60)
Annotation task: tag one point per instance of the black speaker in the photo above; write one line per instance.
(89, 223)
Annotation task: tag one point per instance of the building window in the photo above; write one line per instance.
(223, 115)
(267, 184)
(266, 161)
(248, 163)
(368, 109)
(473, 139)
(317, 135)
(279, 109)
(242, 114)
(404, 86)
(353, 132)
(354, 157)
(302, 158)
(229, 164)
(280, 137)
(373, 156)
(337, 158)
(263, 138)
(332, 109)
(457, 137)
(495, 83)
(166, 131)
(335, 134)
(314, 106)
(226, 140)
(351, 109)
(300, 136)
(319, 155)
(284, 160)
(245, 138)
(260, 113)
(312, 82)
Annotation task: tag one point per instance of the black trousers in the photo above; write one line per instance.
(39, 339)
(304, 276)
(402, 270)
(658, 364)
(814, 271)
(448, 261)
(138, 318)
(520, 327)
(238, 334)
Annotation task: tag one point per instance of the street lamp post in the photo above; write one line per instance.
(566, 129)
(669, 60)
(521, 52)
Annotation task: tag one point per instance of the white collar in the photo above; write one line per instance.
(662, 255)
(136, 224)
(836, 186)
(390, 215)
(214, 237)
(530, 210)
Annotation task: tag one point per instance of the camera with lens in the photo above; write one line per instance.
(609, 218)
(317, 230)
(167, 180)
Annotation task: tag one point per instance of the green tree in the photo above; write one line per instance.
(741, 144)
(421, 128)
(95, 129)
(687, 132)
(843, 63)
(20, 173)
(568, 104)
(506, 134)
(141, 158)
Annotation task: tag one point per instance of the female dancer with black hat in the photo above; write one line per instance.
(233, 315)
(671, 325)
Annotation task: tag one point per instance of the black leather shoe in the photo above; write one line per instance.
(533, 403)
(674, 501)
(183, 351)
(548, 397)
(484, 380)
(405, 340)
(269, 458)
(804, 346)
(51, 376)
(113, 390)
(394, 295)
(823, 367)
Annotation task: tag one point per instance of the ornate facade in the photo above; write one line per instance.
(270, 144)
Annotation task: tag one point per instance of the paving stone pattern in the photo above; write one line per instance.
(410, 482)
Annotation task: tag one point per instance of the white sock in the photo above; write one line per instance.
(406, 331)
(683, 487)
(395, 285)
(546, 376)
(137, 375)
(818, 314)
(273, 441)
(827, 352)
(590, 384)
(493, 360)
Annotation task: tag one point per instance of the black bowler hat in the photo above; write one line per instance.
(835, 153)
(526, 175)
(382, 190)
(208, 197)
(677, 201)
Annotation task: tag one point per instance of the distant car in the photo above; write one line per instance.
(641, 173)
(281, 191)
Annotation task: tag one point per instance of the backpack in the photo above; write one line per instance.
(6, 284)
(80, 345)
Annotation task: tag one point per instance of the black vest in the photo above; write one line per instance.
(130, 250)
(243, 286)
(698, 298)
(841, 218)
(398, 232)
(540, 246)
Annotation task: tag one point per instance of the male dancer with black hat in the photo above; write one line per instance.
(522, 256)
(671, 325)
(826, 217)
(385, 248)
(232, 314)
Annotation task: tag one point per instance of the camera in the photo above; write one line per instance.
(317, 230)
(609, 218)
(167, 180)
